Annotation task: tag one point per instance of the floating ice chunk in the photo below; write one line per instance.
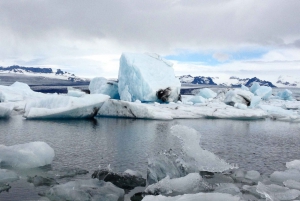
(83, 190)
(295, 164)
(7, 176)
(274, 192)
(238, 96)
(198, 157)
(281, 176)
(161, 166)
(285, 94)
(18, 91)
(253, 175)
(145, 75)
(255, 100)
(292, 184)
(228, 188)
(29, 155)
(41, 181)
(252, 190)
(191, 183)
(280, 113)
(133, 173)
(240, 106)
(254, 87)
(264, 92)
(194, 197)
(5, 109)
(57, 106)
(197, 99)
(75, 92)
(243, 87)
(125, 95)
(206, 93)
(100, 85)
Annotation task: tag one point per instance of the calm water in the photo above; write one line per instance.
(263, 145)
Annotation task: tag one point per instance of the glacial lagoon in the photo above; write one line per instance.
(262, 145)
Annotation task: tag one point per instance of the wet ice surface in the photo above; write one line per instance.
(263, 145)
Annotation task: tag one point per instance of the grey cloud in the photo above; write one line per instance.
(154, 23)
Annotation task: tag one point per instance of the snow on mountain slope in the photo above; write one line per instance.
(288, 81)
(44, 72)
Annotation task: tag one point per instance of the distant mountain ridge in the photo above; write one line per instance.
(233, 81)
(37, 71)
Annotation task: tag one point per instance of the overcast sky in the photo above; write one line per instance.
(201, 37)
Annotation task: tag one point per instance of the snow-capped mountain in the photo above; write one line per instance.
(44, 72)
(288, 81)
(232, 81)
(188, 79)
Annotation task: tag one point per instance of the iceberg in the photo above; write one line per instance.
(285, 95)
(85, 190)
(100, 85)
(254, 87)
(118, 108)
(75, 92)
(206, 93)
(195, 156)
(264, 92)
(281, 114)
(194, 197)
(148, 78)
(57, 106)
(238, 96)
(29, 155)
(255, 100)
(243, 87)
(197, 99)
(191, 183)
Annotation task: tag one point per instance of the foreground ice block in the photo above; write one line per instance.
(100, 85)
(85, 190)
(201, 159)
(7, 176)
(147, 77)
(194, 197)
(57, 106)
(191, 183)
(29, 155)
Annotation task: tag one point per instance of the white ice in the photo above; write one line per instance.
(58, 106)
(194, 197)
(144, 75)
(5, 109)
(295, 164)
(274, 192)
(254, 87)
(278, 113)
(264, 92)
(243, 87)
(75, 92)
(100, 85)
(238, 96)
(83, 190)
(201, 159)
(7, 176)
(133, 173)
(29, 155)
(292, 184)
(191, 183)
(118, 108)
(197, 99)
(206, 93)
(285, 95)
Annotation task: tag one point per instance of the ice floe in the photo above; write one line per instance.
(100, 85)
(85, 190)
(58, 106)
(7, 176)
(29, 155)
(5, 109)
(147, 77)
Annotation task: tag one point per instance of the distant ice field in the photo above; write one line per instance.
(262, 145)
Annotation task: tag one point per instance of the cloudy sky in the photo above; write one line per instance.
(202, 37)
